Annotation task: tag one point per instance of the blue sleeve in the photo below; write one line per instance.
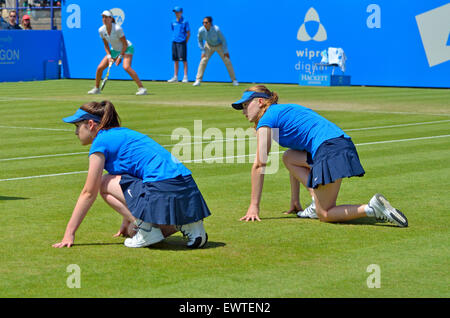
(222, 40)
(267, 120)
(200, 41)
(98, 145)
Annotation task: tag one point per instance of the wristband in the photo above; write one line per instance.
(108, 56)
(120, 56)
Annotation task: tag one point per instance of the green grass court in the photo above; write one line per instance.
(406, 155)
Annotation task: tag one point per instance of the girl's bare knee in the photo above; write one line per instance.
(104, 184)
(101, 68)
(286, 156)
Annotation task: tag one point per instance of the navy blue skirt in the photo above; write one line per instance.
(175, 201)
(335, 159)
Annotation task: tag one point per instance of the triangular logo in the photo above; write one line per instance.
(303, 35)
(434, 26)
(119, 15)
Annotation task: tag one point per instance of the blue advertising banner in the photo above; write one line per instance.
(386, 43)
(29, 55)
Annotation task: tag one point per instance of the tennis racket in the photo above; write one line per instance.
(106, 77)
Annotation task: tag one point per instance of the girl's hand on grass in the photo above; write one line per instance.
(127, 229)
(67, 241)
(252, 214)
(295, 207)
(122, 232)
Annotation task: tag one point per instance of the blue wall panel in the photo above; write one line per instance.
(29, 55)
(387, 43)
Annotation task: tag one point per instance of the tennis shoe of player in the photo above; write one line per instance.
(235, 83)
(185, 79)
(141, 91)
(173, 80)
(196, 83)
(384, 211)
(145, 235)
(94, 91)
(195, 232)
(309, 212)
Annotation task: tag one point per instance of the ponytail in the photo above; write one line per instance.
(106, 111)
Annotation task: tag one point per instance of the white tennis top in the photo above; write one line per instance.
(113, 38)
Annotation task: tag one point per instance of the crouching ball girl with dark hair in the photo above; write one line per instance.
(153, 191)
(320, 155)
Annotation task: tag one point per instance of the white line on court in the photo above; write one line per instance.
(401, 140)
(400, 125)
(86, 152)
(73, 130)
(35, 128)
(166, 135)
(44, 175)
(45, 156)
(202, 142)
(361, 144)
(152, 103)
(229, 157)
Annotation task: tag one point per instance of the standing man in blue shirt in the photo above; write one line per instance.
(181, 34)
(210, 40)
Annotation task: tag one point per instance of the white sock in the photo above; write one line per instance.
(369, 211)
(143, 225)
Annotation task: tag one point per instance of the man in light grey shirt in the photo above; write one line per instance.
(210, 40)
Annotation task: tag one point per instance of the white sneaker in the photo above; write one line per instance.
(196, 83)
(95, 90)
(235, 83)
(309, 212)
(196, 234)
(185, 79)
(386, 212)
(146, 235)
(141, 91)
(173, 80)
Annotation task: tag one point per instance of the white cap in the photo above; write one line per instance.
(107, 13)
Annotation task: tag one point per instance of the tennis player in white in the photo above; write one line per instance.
(121, 50)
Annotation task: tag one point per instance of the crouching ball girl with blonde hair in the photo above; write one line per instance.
(320, 155)
(149, 187)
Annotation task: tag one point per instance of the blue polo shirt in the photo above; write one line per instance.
(129, 152)
(300, 128)
(180, 30)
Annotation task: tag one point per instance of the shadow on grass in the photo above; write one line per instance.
(170, 243)
(366, 221)
(95, 244)
(361, 221)
(285, 217)
(126, 94)
(2, 198)
(175, 243)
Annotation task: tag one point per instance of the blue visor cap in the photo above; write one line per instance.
(177, 9)
(248, 95)
(81, 115)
